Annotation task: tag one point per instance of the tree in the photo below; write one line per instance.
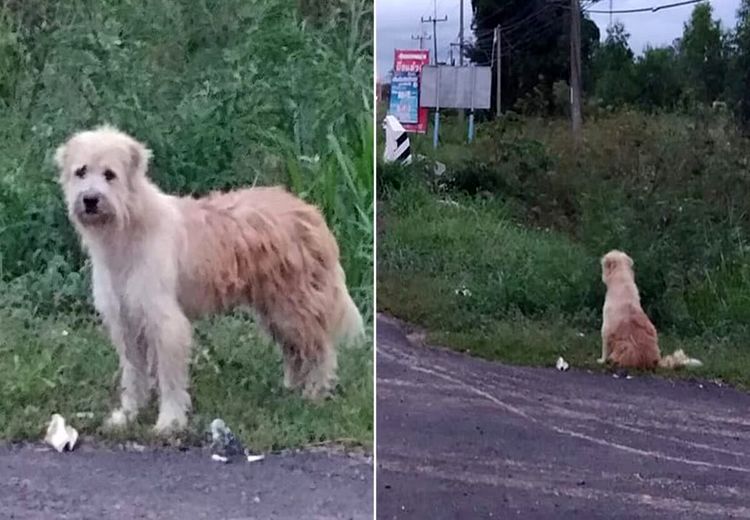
(702, 55)
(536, 45)
(740, 66)
(658, 79)
(614, 70)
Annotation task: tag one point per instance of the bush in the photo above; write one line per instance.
(672, 191)
(225, 94)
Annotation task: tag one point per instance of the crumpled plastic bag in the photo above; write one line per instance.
(225, 446)
(59, 435)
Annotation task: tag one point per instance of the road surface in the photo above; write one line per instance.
(167, 484)
(460, 437)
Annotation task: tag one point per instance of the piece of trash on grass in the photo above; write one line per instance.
(84, 415)
(223, 441)
(224, 444)
(462, 291)
(561, 364)
(65, 333)
(59, 435)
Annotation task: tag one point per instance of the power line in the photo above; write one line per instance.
(644, 9)
(434, 21)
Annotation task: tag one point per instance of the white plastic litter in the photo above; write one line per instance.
(59, 435)
(462, 291)
(225, 446)
(561, 364)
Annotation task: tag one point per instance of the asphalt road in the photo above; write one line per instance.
(465, 438)
(102, 484)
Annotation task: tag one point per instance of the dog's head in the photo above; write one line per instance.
(100, 170)
(615, 261)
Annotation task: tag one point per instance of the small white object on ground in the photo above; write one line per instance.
(561, 364)
(462, 291)
(439, 169)
(225, 446)
(59, 435)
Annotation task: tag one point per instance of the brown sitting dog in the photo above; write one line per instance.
(629, 339)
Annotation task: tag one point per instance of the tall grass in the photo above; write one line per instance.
(226, 93)
(521, 217)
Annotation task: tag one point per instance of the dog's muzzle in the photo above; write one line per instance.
(91, 208)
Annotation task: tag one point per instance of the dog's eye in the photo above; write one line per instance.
(81, 172)
(109, 175)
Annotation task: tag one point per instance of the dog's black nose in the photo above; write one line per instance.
(90, 203)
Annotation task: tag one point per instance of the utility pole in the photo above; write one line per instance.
(434, 21)
(461, 37)
(575, 70)
(498, 64)
(459, 50)
(421, 37)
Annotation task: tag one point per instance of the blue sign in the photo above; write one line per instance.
(405, 97)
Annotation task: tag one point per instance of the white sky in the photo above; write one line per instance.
(397, 20)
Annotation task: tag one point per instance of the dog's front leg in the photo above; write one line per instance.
(134, 391)
(134, 388)
(605, 350)
(169, 335)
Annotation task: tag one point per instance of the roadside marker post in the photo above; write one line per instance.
(397, 145)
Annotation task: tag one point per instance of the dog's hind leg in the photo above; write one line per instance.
(309, 356)
(169, 334)
(319, 372)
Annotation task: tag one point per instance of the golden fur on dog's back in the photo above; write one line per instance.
(629, 339)
(266, 248)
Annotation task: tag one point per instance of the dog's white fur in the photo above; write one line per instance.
(160, 260)
(629, 339)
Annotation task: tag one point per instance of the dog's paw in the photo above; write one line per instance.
(168, 424)
(117, 420)
(601, 361)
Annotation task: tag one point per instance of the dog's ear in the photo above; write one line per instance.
(608, 265)
(61, 154)
(630, 261)
(139, 157)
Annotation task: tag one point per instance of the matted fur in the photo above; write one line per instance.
(160, 260)
(629, 339)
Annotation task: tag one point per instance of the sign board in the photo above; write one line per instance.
(444, 86)
(405, 97)
(412, 61)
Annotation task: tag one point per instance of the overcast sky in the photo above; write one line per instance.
(398, 20)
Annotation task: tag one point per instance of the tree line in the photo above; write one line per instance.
(709, 65)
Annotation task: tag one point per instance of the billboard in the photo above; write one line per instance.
(410, 61)
(456, 87)
(405, 97)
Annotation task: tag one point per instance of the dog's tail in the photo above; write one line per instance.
(678, 360)
(350, 327)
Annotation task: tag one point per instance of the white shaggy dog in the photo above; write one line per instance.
(159, 260)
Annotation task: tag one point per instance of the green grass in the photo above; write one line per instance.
(533, 294)
(226, 94)
(63, 365)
